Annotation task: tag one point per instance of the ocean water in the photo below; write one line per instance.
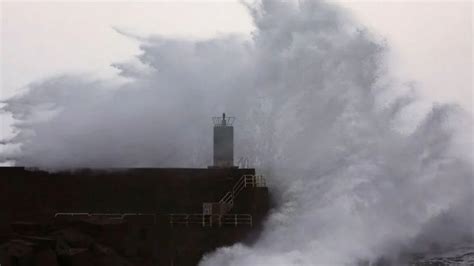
(362, 169)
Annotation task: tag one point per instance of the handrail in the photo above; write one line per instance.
(228, 198)
(203, 219)
(243, 182)
(243, 162)
(71, 214)
(120, 216)
(210, 220)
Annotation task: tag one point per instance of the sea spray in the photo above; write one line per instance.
(316, 112)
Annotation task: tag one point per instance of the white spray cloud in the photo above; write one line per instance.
(316, 112)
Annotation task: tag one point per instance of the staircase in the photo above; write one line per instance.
(244, 182)
(222, 218)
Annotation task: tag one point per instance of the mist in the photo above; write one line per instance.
(359, 166)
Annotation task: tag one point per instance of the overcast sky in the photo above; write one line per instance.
(431, 42)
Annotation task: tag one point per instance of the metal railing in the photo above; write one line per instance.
(214, 220)
(243, 182)
(71, 214)
(220, 121)
(205, 220)
(119, 216)
(243, 162)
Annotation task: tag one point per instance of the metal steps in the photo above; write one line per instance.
(244, 182)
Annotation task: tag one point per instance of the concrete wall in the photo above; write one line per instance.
(34, 197)
(25, 194)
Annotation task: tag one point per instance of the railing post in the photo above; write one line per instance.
(235, 220)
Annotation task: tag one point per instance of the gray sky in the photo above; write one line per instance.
(431, 42)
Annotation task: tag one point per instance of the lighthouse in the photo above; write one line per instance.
(223, 141)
